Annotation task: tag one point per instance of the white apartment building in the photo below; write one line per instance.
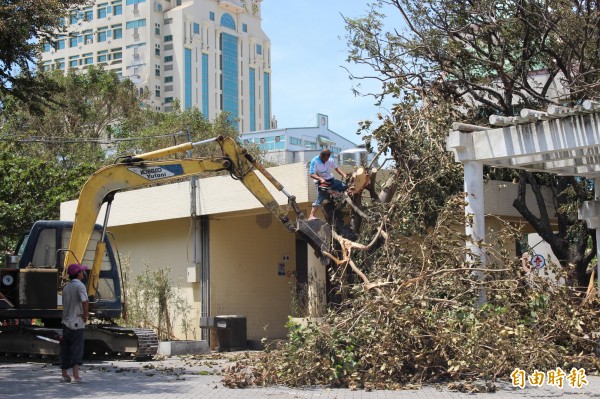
(211, 54)
(299, 144)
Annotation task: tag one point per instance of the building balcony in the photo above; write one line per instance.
(236, 6)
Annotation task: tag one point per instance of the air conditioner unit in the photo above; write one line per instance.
(136, 56)
(277, 139)
(136, 9)
(263, 140)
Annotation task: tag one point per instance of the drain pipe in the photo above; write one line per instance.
(198, 240)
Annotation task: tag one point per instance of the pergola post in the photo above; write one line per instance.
(475, 216)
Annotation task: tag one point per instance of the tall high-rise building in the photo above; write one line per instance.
(212, 54)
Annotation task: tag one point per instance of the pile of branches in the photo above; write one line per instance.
(411, 316)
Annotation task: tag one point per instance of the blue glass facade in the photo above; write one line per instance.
(252, 94)
(187, 101)
(267, 100)
(205, 85)
(229, 76)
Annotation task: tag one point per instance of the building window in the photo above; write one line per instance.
(310, 144)
(60, 44)
(102, 34)
(74, 61)
(73, 41)
(245, 28)
(252, 94)
(46, 47)
(88, 37)
(75, 17)
(88, 14)
(88, 58)
(227, 21)
(156, 70)
(101, 12)
(117, 31)
(60, 63)
(211, 16)
(168, 38)
(169, 58)
(295, 141)
(168, 79)
(168, 100)
(157, 29)
(116, 54)
(117, 7)
(187, 73)
(102, 56)
(157, 91)
(157, 49)
(138, 23)
(205, 85)
(267, 99)
(196, 29)
(130, 2)
(258, 49)
(229, 75)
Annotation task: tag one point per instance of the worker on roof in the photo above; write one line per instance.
(320, 170)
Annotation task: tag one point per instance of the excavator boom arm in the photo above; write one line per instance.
(143, 170)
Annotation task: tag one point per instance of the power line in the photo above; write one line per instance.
(64, 140)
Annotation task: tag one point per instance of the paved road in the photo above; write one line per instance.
(184, 377)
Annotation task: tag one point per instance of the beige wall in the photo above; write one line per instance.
(244, 272)
(162, 244)
(245, 259)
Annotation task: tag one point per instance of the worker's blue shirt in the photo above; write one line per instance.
(322, 169)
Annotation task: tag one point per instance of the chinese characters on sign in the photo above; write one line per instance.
(575, 379)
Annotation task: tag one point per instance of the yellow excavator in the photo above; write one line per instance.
(30, 285)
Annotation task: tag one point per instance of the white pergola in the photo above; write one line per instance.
(563, 141)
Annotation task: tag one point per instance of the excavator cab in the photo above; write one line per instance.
(32, 283)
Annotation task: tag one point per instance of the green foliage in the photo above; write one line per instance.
(79, 118)
(413, 136)
(32, 189)
(22, 23)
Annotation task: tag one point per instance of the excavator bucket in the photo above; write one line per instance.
(317, 233)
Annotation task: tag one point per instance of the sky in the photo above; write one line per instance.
(308, 50)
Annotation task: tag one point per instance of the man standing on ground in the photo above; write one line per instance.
(75, 314)
(320, 170)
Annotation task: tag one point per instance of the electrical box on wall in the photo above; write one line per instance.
(193, 274)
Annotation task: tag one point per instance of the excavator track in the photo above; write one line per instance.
(100, 340)
(144, 340)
